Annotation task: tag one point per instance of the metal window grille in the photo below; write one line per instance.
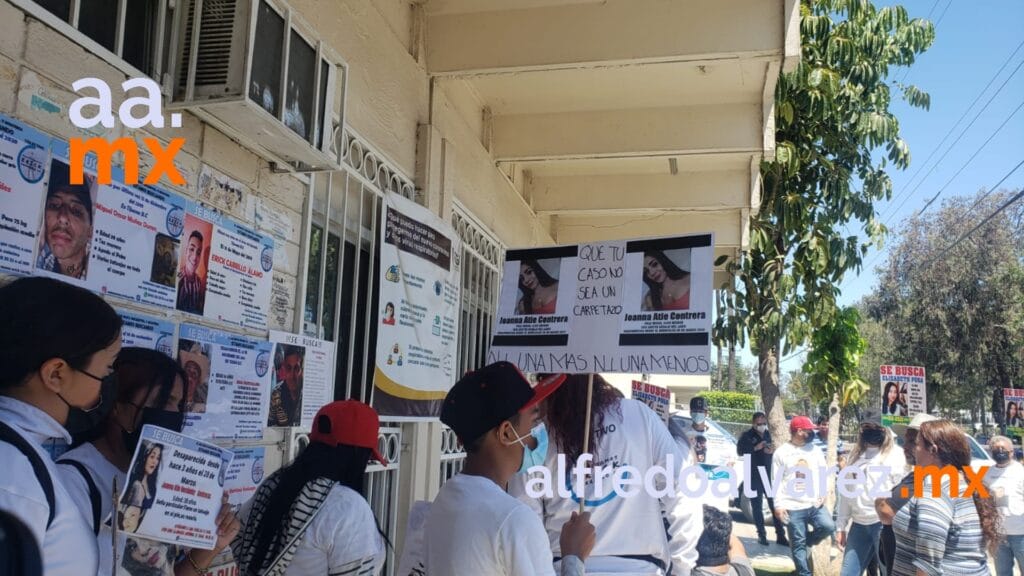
(482, 257)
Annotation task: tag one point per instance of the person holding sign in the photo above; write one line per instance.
(668, 285)
(539, 289)
(631, 531)
(474, 526)
(57, 347)
(311, 517)
(150, 390)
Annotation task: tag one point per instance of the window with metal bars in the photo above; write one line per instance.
(482, 256)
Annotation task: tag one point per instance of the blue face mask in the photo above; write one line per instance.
(536, 456)
(699, 417)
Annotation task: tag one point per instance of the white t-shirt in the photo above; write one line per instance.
(871, 476)
(474, 527)
(720, 453)
(68, 547)
(1010, 500)
(797, 476)
(633, 525)
(342, 538)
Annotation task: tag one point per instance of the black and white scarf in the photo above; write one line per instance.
(305, 507)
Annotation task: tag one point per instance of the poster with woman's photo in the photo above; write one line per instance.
(227, 383)
(904, 394)
(1013, 410)
(24, 161)
(174, 489)
(143, 557)
(538, 293)
(66, 230)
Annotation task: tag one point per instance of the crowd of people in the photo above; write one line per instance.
(68, 377)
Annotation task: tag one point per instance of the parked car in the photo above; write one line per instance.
(979, 455)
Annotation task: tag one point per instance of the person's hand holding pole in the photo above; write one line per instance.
(578, 536)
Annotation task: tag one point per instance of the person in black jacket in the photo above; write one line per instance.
(757, 441)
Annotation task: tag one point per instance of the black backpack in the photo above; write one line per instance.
(94, 491)
(8, 435)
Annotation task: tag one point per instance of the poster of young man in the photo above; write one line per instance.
(417, 336)
(24, 160)
(147, 332)
(194, 265)
(904, 394)
(627, 306)
(66, 230)
(1013, 406)
(227, 383)
(174, 488)
(239, 270)
(303, 379)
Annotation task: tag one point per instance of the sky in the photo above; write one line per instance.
(973, 40)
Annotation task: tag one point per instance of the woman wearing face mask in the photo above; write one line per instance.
(945, 534)
(631, 532)
(150, 389)
(876, 465)
(58, 344)
(1005, 482)
(311, 517)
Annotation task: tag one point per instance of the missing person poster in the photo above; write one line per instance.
(174, 488)
(1013, 406)
(303, 380)
(655, 397)
(227, 383)
(904, 394)
(144, 331)
(24, 161)
(225, 271)
(418, 325)
(639, 306)
(244, 474)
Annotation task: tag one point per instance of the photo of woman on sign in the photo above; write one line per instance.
(891, 403)
(538, 288)
(668, 280)
(141, 490)
(1013, 417)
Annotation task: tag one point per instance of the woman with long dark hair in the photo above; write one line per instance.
(311, 517)
(539, 289)
(1013, 418)
(150, 390)
(58, 344)
(141, 490)
(631, 532)
(891, 404)
(668, 285)
(945, 534)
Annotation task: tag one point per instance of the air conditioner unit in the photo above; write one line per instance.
(254, 69)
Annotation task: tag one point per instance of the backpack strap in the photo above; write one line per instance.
(9, 436)
(94, 491)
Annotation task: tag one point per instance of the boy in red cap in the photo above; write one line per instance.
(799, 465)
(311, 517)
(474, 525)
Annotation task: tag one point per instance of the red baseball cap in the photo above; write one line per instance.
(801, 423)
(348, 423)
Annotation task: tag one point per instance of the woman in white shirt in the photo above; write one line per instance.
(150, 389)
(311, 517)
(876, 464)
(57, 348)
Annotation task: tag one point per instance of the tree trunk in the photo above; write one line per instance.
(768, 377)
(730, 376)
(718, 384)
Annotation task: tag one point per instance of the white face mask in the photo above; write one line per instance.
(699, 417)
(761, 428)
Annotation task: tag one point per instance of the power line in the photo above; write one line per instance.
(969, 160)
(1005, 205)
(958, 138)
(957, 123)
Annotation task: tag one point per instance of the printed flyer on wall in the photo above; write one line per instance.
(303, 380)
(24, 161)
(227, 383)
(625, 306)
(144, 331)
(174, 489)
(904, 394)
(244, 474)
(418, 322)
(225, 271)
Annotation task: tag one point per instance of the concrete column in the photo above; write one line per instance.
(420, 475)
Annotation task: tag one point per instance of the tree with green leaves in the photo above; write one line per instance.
(832, 117)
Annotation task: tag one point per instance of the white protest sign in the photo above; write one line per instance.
(174, 489)
(655, 397)
(227, 383)
(303, 379)
(904, 394)
(639, 306)
(418, 326)
(24, 160)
